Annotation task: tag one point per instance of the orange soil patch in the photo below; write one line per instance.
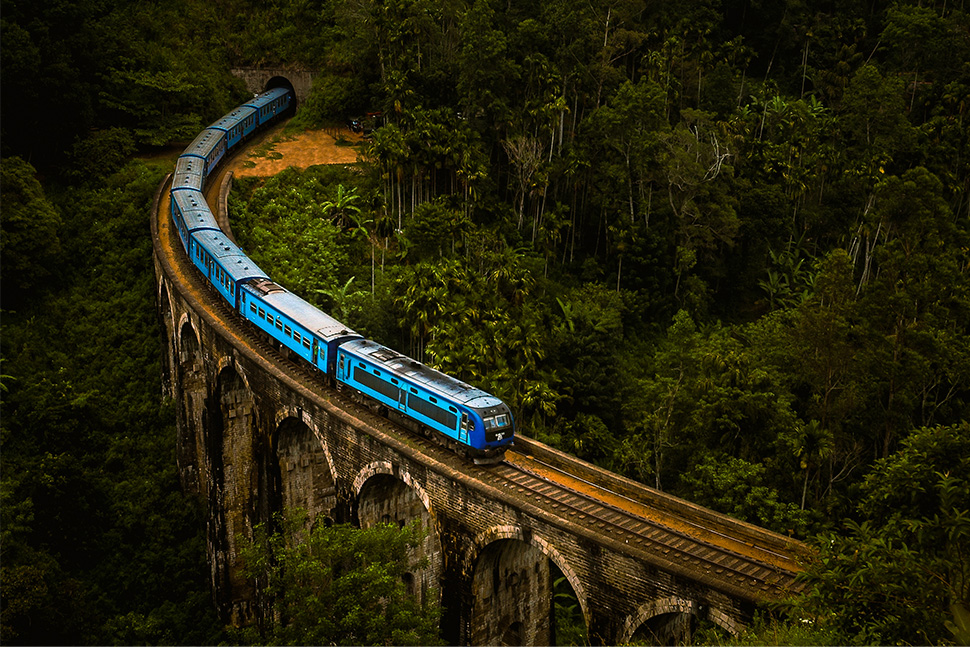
(277, 151)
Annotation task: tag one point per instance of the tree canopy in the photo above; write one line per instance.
(338, 585)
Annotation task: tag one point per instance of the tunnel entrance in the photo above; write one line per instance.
(283, 82)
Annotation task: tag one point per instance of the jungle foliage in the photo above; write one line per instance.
(719, 246)
(338, 585)
(98, 544)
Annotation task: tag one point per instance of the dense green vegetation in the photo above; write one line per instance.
(98, 546)
(719, 246)
(338, 585)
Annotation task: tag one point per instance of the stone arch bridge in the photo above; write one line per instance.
(257, 433)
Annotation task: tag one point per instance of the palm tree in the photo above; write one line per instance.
(360, 230)
(341, 298)
(342, 205)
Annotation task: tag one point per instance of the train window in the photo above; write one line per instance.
(413, 390)
(371, 381)
(361, 364)
(376, 372)
(262, 313)
(232, 290)
(279, 323)
(288, 331)
(296, 337)
(433, 399)
(451, 408)
(433, 412)
(501, 420)
(306, 342)
(252, 307)
(394, 380)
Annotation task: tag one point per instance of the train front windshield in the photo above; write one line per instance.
(497, 427)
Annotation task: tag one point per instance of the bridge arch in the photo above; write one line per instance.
(671, 606)
(303, 468)
(190, 381)
(500, 550)
(165, 317)
(189, 342)
(164, 306)
(386, 467)
(230, 440)
(384, 494)
(497, 533)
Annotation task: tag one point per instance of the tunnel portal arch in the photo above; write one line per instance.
(280, 82)
(261, 79)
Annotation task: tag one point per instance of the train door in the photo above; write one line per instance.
(319, 355)
(402, 402)
(463, 428)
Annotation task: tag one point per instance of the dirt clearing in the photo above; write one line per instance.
(276, 151)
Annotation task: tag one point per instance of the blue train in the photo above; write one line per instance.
(472, 422)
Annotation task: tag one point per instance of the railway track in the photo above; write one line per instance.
(717, 555)
(671, 533)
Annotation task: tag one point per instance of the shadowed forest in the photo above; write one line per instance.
(718, 246)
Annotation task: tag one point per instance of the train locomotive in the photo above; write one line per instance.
(470, 421)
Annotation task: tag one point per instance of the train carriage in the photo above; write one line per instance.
(191, 213)
(188, 174)
(223, 263)
(299, 326)
(271, 103)
(238, 124)
(462, 413)
(210, 147)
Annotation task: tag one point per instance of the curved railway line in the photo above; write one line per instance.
(671, 533)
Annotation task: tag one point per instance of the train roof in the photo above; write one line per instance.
(203, 144)
(263, 98)
(188, 173)
(235, 262)
(188, 164)
(233, 118)
(195, 211)
(301, 312)
(413, 370)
